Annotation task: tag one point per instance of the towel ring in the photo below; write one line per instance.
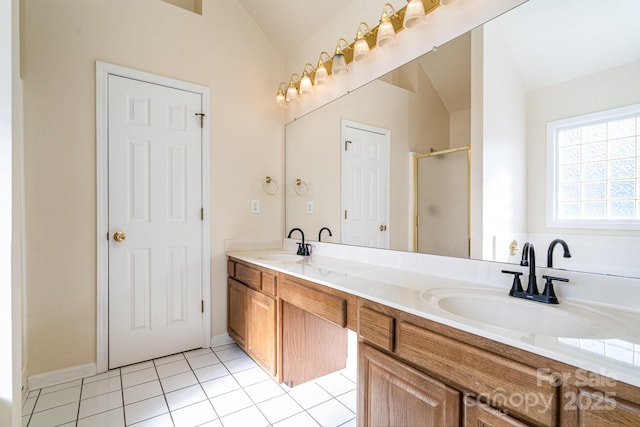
(300, 187)
(270, 186)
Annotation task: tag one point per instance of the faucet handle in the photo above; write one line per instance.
(517, 284)
(307, 249)
(549, 294)
(300, 249)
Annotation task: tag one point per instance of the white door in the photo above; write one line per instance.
(155, 199)
(365, 185)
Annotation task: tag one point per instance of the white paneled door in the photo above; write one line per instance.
(155, 220)
(365, 185)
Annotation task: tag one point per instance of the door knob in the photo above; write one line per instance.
(119, 236)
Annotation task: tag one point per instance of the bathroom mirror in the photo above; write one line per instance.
(493, 89)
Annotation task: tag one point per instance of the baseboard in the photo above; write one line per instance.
(222, 339)
(25, 385)
(47, 379)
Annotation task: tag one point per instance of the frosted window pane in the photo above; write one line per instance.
(622, 189)
(570, 173)
(621, 169)
(593, 133)
(569, 192)
(622, 148)
(569, 155)
(569, 137)
(594, 171)
(594, 191)
(594, 152)
(622, 209)
(594, 210)
(621, 128)
(569, 210)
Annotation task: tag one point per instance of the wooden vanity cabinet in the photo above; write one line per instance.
(251, 312)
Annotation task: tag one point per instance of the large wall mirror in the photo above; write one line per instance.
(475, 111)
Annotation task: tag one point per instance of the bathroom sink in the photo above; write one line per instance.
(280, 256)
(496, 308)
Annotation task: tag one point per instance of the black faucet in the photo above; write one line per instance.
(548, 296)
(320, 233)
(303, 249)
(552, 246)
(529, 259)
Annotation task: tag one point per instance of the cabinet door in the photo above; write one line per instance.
(596, 409)
(237, 311)
(391, 393)
(480, 415)
(261, 329)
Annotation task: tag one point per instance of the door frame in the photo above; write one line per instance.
(103, 71)
(343, 199)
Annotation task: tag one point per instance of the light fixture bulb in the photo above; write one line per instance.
(305, 84)
(292, 92)
(280, 102)
(386, 32)
(361, 47)
(339, 64)
(321, 74)
(414, 13)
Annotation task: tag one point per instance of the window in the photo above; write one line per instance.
(593, 173)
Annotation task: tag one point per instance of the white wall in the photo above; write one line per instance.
(222, 49)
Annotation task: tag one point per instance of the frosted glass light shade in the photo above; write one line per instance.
(414, 13)
(339, 65)
(292, 92)
(360, 49)
(280, 99)
(305, 84)
(321, 75)
(386, 33)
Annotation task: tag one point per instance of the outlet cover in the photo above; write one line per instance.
(255, 206)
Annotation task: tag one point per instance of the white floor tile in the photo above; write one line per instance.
(168, 359)
(231, 402)
(104, 386)
(109, 374)
(264, 390)
(251, 376)
(56, 416)
(220, 386)
(138, 377)
(101, 403)
(198, 352)
(211, 372)
(57, 398)
(240, 364)
(145, 409)
(27, 407)
(173, 368)
(59, 387)
(33, 393)
(136, 367)
(350, 400)
(299, 420)
(246, 417)
(194, 415)
(203, 360)
(279, 408)
(159, 421)
(112, 418)
(229, 353)
(335, 384)
(309, 394)
(214, 423)
(185, 397)
(142, 392)
(350, 423)
(331, 413)
(178, 381)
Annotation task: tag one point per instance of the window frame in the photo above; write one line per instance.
(552, 170)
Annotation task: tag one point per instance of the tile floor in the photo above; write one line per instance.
(218, 386)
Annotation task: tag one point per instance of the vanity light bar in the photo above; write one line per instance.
(347, 51)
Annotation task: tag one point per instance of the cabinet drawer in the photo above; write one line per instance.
(269, 281)
(376, 327)
(248, 275)
(323, 305)
(504, 383)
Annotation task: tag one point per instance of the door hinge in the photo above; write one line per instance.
(346, 145)
(201, 306)
(201, 119)
(202, 214)
(107, 235)
(345, 214)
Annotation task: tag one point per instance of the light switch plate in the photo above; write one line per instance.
(309, 207)
(255, 206)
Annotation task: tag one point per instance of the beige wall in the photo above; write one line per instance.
(222, 49)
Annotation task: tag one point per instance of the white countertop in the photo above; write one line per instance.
(613, 351)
